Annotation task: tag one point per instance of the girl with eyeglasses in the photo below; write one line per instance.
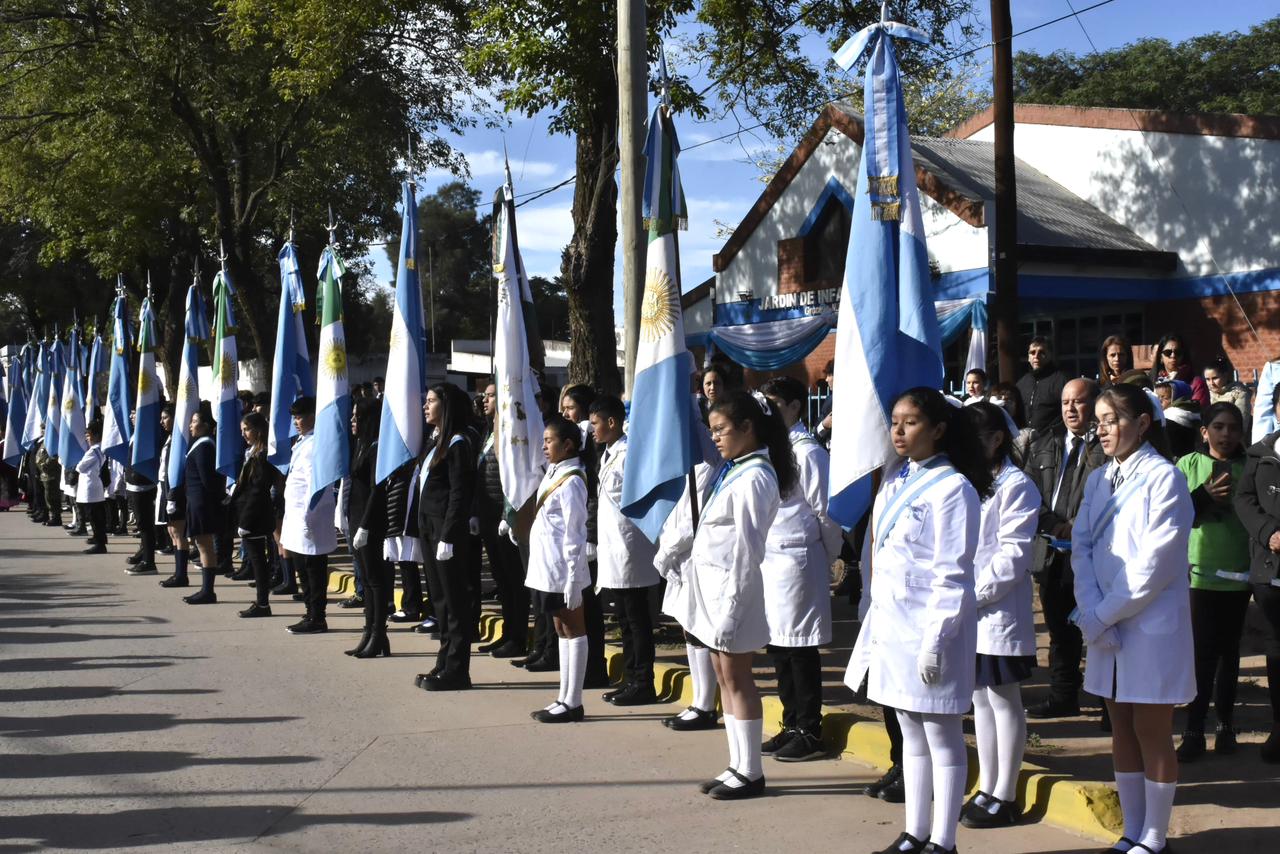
(1173, 362)
(918, 642)
(1130, 546)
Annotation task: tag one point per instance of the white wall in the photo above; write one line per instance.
(697, 317)
(1204, 197)
(953, 243)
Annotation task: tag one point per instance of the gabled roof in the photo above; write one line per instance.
(1112, 118)
(1054, 225)
(696, 294)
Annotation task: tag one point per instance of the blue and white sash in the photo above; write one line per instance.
(732, 472)
(932, 472)
(1112, 506)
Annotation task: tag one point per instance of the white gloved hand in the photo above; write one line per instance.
(171, 507)
(242, 532)
(504, 530)
(1108, 641)
(473, 526)
(361, 539)
(929, 665)
(591, 551)
(572, 598)
(444, 551)
(1090, 626)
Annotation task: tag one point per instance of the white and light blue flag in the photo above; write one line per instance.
(291, 372)
(148, 440)
(15, 416)
(187, 394)
(71, 439)
(229, 442)
(53, 400)
(404, 387)
(117, 429)
(887, 338)
(33, 430)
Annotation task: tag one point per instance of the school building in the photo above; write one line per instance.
(1133, 222)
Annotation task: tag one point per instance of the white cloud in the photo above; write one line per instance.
(544, 229)
(489, 164)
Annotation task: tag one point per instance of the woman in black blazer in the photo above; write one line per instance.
(367, 517)
(205, 490)
(258, 499)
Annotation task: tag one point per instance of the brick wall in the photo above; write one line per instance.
(1215, 326)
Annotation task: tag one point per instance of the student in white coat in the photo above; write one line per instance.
(558, 572)
(802, 544)
(90, 493)
(1132, 590)
(307, 534)
(725, 608)
(1006, 622)
(624, 560)
(918, 642)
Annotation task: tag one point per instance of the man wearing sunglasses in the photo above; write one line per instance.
(1041, 389)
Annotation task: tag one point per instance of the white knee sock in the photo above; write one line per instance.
(1159, 804)
(984, 731)
(747, 735)
(577, 670)
(950, 761)
(562, 645)
(1130, 786)
(734, 759)
(1011, 738)
(917, 775)
(704, 677)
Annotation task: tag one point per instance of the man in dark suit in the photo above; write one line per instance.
(1041, 388)
(1060, 461)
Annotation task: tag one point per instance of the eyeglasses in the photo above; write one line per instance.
(1106, 426)
(717, 432)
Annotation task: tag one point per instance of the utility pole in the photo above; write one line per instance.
(1004, 255)
(633, 78)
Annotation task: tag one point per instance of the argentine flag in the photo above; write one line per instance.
(887, 338)
(147, 438)
(518, 430)
(664, 441)
(117, 430)
(331, 461)
(71, 438)
(53, 401)
(15, 417)
(291, 371)
(33, 430)
(400, 434)
(187, 395)
(229, 443)
(97, 355)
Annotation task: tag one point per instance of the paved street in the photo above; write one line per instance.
(130, 720)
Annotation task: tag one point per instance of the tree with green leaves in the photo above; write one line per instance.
(1214, 73)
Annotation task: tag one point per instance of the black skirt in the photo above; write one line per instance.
(547, 603)
(995, 670)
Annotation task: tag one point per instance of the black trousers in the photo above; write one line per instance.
(635, 621)
(314, 571)
(96, 515)
(255, 549)
(1268, 599)
(799, 670)
(597, 668)
(411, 584)
(508, 574)
(379, 576)
(1066, 645)
(451, 595)
(143, 505)
(1217, 621)
(894, 728)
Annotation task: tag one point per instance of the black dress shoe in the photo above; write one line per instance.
(203, 597)
(423, 677)
(284, 589)
(895, 791)
(95, 550)
(1224, 740)
(429, 626)
(904, 844)
(309, 627)
(444, 682)
(167, 550)
(491, 646)
(403, 616)
(1053, 709)
(701, 720)
(559, 714)
(935, 848)
(134, 559)
(352, 602)
(524, 662)
(541, 665)
(1116, 849)
(508, 649)
(748, 789)
(778, 742)
(636, 694)
(256, 610)
(142, 569)
(1192, 747)
(1007, 814)
(608, 696)
(707, 785)
(174, 581)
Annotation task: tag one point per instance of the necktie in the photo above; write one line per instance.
(1066, 485)
(1116, 480)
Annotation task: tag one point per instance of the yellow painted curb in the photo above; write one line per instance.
(1088, 808)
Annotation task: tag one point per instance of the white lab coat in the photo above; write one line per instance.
(624, 557)
(922, 597)
(675, 548)
(558, 537)
(798, 553)
(306, 530)
(118, 486)
(89, 484)
(1132, 574)
(1002, 565)
(725, 608)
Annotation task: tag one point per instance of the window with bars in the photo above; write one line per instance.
(1077, 333)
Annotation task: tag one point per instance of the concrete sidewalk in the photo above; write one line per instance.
(132, 720)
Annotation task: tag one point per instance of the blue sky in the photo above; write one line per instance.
(721, 185)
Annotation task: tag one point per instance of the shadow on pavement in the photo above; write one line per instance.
(47, 726)
(114, 762)
(177, 825)
(90, 662)
(86, 692)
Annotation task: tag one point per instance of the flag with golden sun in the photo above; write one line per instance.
(331, 461)
(147, 440)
